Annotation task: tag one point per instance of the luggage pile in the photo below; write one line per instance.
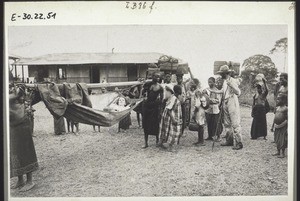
(152, 68)
(235, 66)
(171, 65)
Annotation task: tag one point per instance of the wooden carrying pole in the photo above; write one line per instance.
(191, 74)
(103, 85)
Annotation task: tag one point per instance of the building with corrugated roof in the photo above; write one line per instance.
(88, 67)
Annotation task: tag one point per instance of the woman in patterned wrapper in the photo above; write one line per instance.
(23, 158)
(171, 121)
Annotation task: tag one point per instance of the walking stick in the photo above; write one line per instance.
(219, 122)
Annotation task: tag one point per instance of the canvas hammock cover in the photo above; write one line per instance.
(76, 105)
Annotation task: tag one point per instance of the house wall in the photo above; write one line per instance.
(117, 73)
(74, 73)
(78, 73)
(142, 70)
(81, 73)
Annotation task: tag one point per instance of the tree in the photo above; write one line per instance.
(281, 46)
(258, 64)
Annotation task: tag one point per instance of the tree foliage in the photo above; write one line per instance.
(280, 46)
(258, 64)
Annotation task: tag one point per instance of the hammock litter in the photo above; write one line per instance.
(76, 105)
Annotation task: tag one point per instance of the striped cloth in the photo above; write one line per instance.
(169, 132)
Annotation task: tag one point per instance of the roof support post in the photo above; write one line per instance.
(16, 75)
(23, 79)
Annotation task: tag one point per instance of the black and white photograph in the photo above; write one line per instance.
(149, 110)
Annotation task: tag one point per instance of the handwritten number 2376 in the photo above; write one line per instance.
(139, 5)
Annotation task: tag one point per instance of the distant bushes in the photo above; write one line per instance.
(248, 91)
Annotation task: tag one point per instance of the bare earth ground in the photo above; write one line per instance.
(114, 164)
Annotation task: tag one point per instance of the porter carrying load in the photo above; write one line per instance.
(235, 66)
(171, 65)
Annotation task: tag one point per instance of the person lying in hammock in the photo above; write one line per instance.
(120, 105)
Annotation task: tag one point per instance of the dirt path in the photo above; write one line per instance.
(114, 164)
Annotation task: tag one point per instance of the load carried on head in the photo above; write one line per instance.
(169, 64)
(235, 66)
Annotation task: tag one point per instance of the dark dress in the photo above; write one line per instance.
(125, 123)
(59, 126)
(23, 158)
(151, 112)
(259, 123)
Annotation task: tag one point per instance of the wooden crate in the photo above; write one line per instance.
(232, 65)
(182, 68)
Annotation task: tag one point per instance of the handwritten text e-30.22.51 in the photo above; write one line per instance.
(33, 16)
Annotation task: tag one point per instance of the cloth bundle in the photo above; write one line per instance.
(167, 59)
(171, 65)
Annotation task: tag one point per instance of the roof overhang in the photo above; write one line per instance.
(91, 58)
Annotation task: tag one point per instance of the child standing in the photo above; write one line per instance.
(191, 96)
(280, 124)
(171, 122)
(201, 105)
(213, 112)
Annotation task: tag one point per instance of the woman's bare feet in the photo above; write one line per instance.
(281, 156)
(27, 186)
(19, 184)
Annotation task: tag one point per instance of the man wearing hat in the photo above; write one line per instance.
(231, 109)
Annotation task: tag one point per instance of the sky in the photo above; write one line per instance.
(198, 45)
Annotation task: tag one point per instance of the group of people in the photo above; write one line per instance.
(168, 108)
(261, 107)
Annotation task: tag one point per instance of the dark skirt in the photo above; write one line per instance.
(281, 136)
(151, 118)
(259, 123)
(59, 126)
(138, 108)
(23, 158)
(212, 125)
(125, 122)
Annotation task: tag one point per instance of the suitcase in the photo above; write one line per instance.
(235, 66)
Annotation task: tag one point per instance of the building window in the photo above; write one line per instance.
(61, 73)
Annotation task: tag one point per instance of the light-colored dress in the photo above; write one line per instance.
(200, 115)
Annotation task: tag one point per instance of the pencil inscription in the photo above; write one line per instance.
(140, 5)
(33, 16)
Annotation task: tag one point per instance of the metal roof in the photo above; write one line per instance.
(90, 58)
(13, 56)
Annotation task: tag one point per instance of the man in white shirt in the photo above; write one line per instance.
(231, 109)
